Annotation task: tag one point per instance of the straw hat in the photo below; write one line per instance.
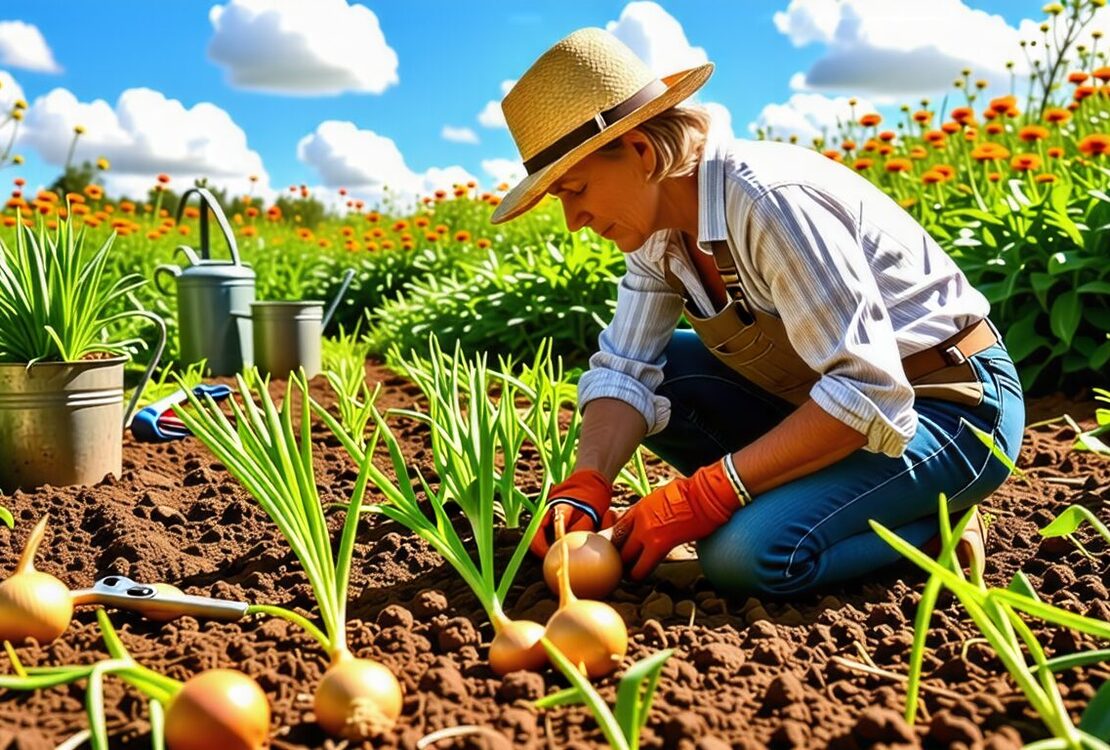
(585, 91)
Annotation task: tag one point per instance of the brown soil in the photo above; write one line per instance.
(746, 674)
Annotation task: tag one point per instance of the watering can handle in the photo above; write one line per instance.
(157, 320)
(188, 253)
(207, 200)
(171, 270)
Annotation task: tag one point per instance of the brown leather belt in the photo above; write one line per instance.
(951, 352)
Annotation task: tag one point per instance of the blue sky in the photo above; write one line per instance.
(452, 58)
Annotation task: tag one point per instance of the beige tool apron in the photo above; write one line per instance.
(754, 344)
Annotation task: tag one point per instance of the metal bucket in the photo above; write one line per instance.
(61, 423)
(287, 336)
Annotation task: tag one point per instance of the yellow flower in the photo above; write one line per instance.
(78, 129)
(103, 164)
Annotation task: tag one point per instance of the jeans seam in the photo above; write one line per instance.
(994, 435)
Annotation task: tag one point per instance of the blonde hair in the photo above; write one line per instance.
(678, 137)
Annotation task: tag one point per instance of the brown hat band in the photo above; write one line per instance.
(590, 128)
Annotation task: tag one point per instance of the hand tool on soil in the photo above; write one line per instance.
(157, 422)
(157, 601)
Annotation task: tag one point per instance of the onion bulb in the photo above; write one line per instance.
(219, 708)
(33, 604)
(594, 565)
(590, 634)
(357, 698)
(516, 646)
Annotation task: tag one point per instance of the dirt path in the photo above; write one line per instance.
(747, 673)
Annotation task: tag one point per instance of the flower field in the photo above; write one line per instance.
(341, 560)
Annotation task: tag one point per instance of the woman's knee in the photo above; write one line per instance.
(737, 560)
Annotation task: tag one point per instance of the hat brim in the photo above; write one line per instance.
(532, 188)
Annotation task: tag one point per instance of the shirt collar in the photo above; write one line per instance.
(711, 203)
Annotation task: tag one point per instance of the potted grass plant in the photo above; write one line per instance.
(64, 341)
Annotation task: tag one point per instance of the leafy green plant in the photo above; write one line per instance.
(997, 613)
(1091, 440)
(635, 692)
(57, 303)
(344, 363)
(6, 517)
(1069, 521)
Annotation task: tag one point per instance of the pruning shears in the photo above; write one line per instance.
(157, 601)
(157, 423)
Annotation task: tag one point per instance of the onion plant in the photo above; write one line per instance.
(344, 362)
(1091, 440)
(57, 299)
(1069, 521)
(6, 517)
(998, 614)
(262, 450)
(635, 693)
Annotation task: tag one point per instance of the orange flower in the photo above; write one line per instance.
(923, 117)
(1003, 104)
(377, 232)
(400, 225)
(994, 128)
(191, 212)
(323, 242)
(994, 176)
(163, 178)
(1077, 77)
(887, 136)
(483, 243)
(371, 246)
(848, 145)
(950, 127)
(11, 221)
(1025, 162)
(963, 115)
(46, 196)
(304, 233)
(990, 114)
(91, 222)
(460, 192)
(471, 184)
(79, 209)
(918, 152)
(934, 136)
(494, 200)
(1055, 152)
(406, 237)
(502, 186)
(407, 246)
(989, 151)
(184, 230)
(1102, 74)
(1033, 133)
(250, 231)
(387, 244)
(1012, 112)
(870, 120)
(932, 177)
(441, 229)
(1095, 144)
(886, 149)
(907, 202)
(462, 236)
(431, 236)
(251, 212)
(833, 154)
(871, 145)
(945, 169)
(1056, 115)
(1082, 92)
(421, 221)
(75, 198)
(862, 164)
(373, 217)
(898, 165)
(440, 194)
(1045, 177)
(347, 231)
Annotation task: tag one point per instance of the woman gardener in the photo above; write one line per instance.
(836, 357)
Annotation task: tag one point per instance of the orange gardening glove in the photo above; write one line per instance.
(683, 510)
(583, 500)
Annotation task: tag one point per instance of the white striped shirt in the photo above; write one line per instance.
(857, 282)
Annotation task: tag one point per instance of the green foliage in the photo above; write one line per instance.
(59, 302)
(74, 179)
(1069, 521)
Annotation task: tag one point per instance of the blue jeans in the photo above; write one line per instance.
(813, 531)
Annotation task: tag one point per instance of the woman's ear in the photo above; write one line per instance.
(643, 149)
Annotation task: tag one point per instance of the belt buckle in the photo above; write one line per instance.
(953, 356)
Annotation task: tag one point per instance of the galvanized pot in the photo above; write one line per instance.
(207, 293)
(287, 336)
(61, 423)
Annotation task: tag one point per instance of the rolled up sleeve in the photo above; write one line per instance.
(629, 362)
(808, 248)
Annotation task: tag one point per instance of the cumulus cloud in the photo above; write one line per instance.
(491, 115)
(23, 46)
(143, 135)
(895, 48)
(458, 135)
(656, 37)
(302, 48)
(10, 91)
(508, 171)
(370, 165)
(807, 116)
(720, 124)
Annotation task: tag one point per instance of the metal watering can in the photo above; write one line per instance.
(207, 293)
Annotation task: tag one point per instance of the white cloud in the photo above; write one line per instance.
(143, 135)
(302, 48)
(504, 170)
(458, 135)
(10, 91)
(656, 37)
(720, 125)
(369, 165)
(895, 48)
(491, 115)
(23, 46)
(807, 116)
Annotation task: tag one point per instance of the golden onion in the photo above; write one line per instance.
(594, 564)
(517, 646)
(33, 604)
(357, 698)
(219, 708)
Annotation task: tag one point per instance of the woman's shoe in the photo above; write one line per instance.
(971, 550)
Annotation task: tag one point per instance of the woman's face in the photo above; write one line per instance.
(609, 192)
